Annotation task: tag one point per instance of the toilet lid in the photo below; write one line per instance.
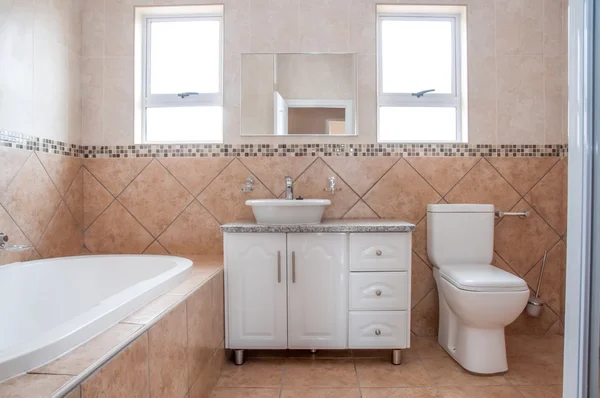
(482, 278)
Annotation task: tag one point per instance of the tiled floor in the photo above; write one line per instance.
(535, 371)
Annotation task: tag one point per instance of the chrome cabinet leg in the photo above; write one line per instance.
(238, 357)
(396, 357)
(313, 351)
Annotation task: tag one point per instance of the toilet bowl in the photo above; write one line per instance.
(477, 300)
(472, 322)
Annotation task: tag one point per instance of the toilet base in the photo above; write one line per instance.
(479, 351)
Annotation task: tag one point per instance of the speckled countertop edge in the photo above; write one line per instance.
(330, 226)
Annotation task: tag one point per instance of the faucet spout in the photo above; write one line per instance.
(289, 188)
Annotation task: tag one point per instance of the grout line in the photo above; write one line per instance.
(462, 178)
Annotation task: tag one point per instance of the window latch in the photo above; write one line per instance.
(422, 93)
(186, 94)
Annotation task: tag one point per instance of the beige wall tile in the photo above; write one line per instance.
(74, 197)
(118, 100)
(361, 211)
(218, 311)
(549, 197)
(95, 198)
(425, 315)
(272, 171)
(519, 26)
(61, 169)
(155, 198)
(125, 376)
(116, 174)
(195, 173)
(21, 199)
(157, 249)
(361, 173)
(93, 28)
(118, 39)
(442, 173)
(203, 387)
(167, 351)
(92, 101)
(200, 331)
(268, 31)
(28, 386)
(522, 173)
(555, 98)
(324, 18)
(553, 28)
(12, 162)
(17, 237)
(63, 237)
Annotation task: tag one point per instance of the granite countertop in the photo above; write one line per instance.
(325, 226)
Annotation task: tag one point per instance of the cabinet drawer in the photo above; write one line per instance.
(383, 291)
(380, 252)
(386, 329)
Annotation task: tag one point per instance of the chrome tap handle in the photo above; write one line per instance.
(3, 238)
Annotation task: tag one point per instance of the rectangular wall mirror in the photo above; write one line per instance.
(298, 94)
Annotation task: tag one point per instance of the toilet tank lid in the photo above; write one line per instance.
(460, 208)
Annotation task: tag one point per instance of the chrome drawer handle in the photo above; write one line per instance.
(378, 332)
(378, 292)
(378, 253)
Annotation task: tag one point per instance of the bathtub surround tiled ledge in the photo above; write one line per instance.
(327, 226)
(21, 141)
(172, 347)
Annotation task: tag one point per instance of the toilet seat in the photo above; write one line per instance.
(482, 278)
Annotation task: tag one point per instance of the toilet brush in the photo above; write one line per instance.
(535, 305)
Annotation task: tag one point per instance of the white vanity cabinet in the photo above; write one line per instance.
(307, 288)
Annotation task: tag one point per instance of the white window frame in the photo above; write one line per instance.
(174, 100)
(453, 100)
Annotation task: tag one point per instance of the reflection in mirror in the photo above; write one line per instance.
(299, 94)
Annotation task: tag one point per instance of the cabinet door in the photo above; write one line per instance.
(317, 291)
(256, 290)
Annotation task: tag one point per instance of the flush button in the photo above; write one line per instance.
(378, 292)
(378, 253)
(378, 332)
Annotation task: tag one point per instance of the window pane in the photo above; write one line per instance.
(416, 55)
(184, 56)
(185, 124)
(417, 124)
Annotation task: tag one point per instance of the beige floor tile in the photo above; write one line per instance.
(534, 370)
(428, 347)
(381, 373)
(446, 372)
(479, 392)
(320, 393)
(254, 373)
(320, 373)
(519, 345)
(424, 392)
(541, 391)
(245, 393)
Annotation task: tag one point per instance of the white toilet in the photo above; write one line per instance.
(477, 300)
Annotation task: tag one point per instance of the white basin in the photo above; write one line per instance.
(282, 211)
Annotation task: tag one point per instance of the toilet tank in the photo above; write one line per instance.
(460, 234)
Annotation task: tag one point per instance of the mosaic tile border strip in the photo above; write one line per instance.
(16, 140)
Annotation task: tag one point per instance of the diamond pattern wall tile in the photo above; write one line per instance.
(361, 173)
(421, 279)
(156, 249)
(17, 237)
(442, 173)
(419, 241)
(557, 329)
(312, 184)
(117, 232)
(554, 276)
(497, 261)
(272, 171)
(521, 242)
(63, 237)
(401, 194)
(74, 197)
(155, 198)
(194, 231)
(22, 199)
(95, 198)
(522, 173)
(224, 198)
(361, 211)
(116, 174)
(549, 197)
(12, 160)
(425, 315)
(195, 173)
(483, 184)
(61, 169)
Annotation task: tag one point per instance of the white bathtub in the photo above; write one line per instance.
(48, 307)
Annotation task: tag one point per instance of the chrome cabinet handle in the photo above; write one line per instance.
(278, 267)
(378, 292)
(378, 253)
(378, 332)
(293, 267)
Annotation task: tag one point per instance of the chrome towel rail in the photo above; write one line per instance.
(521, 214)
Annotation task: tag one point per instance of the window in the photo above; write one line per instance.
(420, 75)
(181, 77)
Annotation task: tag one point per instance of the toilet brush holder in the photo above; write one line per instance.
(535, 306)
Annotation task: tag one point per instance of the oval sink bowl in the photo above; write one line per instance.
(286, 212)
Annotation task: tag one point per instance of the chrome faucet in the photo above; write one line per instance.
(289, 188)
(16, 248)
(3, 240)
